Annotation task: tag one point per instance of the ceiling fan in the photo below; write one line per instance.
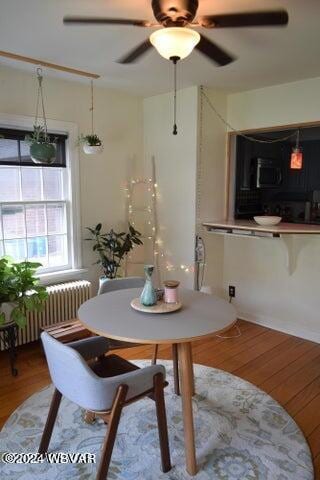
(176, 40)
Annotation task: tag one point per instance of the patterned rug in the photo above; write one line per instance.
(241, 434)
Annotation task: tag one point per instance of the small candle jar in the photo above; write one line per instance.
(171, 291)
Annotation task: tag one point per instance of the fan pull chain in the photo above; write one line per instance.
(175, 62)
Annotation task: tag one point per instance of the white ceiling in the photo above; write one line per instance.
(266, 56)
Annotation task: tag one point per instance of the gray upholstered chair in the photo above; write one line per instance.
(137, 282)
(104, 387)
(120, 284)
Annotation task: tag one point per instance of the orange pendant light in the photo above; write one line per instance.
(296, 161)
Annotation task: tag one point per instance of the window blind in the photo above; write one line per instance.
(14, 150)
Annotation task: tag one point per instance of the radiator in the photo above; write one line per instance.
(62, 304)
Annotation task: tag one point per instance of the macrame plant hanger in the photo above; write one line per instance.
(91, 143)
(42, 151)
(92, 107)
(41, 100)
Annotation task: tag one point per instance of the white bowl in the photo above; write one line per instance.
(267, 220)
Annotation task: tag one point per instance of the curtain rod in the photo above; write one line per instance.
(35, 61)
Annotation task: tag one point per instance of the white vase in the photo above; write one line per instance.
(92, 149)
(7, 308)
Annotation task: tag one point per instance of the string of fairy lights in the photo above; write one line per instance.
(159, 252)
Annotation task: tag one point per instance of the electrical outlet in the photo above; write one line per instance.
(232, 291)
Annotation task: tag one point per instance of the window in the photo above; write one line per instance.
(35, 204)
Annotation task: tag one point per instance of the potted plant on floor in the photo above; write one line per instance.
(91, 144)
(20, 291)
(112, 248)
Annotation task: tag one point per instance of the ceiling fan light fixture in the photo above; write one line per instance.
(174, 42)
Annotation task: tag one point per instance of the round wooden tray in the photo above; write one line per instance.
(160, 307)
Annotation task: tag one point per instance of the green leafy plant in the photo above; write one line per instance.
(112, 247)
(20, 287)
(39, 135)
(92, 140)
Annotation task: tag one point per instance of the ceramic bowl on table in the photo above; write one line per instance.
(267, 220)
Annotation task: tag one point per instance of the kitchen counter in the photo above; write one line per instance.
(250, 227)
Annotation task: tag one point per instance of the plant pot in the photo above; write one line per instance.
(43, 153)
(92, 149)
(7, 308)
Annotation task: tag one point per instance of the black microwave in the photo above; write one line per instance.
(268, 172)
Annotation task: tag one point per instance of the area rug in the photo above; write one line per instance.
(241, 434)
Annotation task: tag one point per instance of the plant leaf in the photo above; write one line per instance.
(19, 317)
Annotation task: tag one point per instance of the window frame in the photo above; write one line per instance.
(71, 186)
(47, 235)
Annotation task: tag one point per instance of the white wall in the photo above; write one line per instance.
(211, 182)
(176, 164)
(118, 121)
(266, 293)
(285, 104)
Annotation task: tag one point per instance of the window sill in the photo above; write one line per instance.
(61, 276)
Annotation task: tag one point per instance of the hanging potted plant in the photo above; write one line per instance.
(91, 143)
(20, 291)
(42, 148)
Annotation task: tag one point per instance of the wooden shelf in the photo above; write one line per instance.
(293, 236)
(249, 227)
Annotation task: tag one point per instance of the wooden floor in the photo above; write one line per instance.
(286, 367)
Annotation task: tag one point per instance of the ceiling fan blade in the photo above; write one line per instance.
(249, 19)
(215, 53)
(137, 52)
(105, 21)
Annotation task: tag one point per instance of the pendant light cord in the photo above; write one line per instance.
(247, 137)
(298, 140)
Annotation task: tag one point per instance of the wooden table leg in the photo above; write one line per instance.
(175, 369)
(191, 369)
(187, 389)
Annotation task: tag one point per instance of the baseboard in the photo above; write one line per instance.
(276, 324)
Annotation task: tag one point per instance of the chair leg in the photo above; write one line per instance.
(162, 422)
(113, 423)
(52, 415)
(175, 368)
(89, 417)
(155, 355)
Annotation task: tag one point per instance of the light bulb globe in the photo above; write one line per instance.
(174, 42)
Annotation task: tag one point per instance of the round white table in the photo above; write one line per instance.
(201, 316)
